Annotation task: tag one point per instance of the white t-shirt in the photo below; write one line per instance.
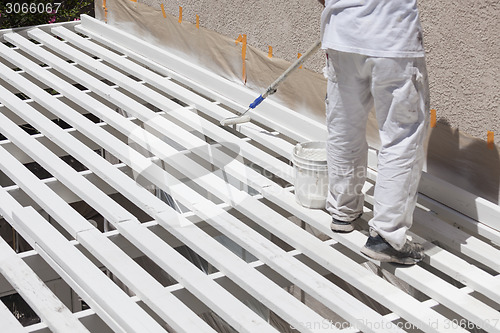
(377, 28)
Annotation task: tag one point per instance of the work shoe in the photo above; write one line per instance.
(343, 226)
(377, 248)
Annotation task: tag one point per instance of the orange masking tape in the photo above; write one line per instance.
(243, 40)
(163, 11)
(433, 118)
(197, 21)
(133, 0)
(180, 14)
(244, 48)
(491, 140)
(270, 53)
(243, 58)
(105, 10)
(298, 56)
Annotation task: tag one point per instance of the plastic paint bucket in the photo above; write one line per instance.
(311, 174)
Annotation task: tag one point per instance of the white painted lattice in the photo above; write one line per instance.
(234, 182)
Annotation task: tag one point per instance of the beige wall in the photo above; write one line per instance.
(461, 37)
(463, 57)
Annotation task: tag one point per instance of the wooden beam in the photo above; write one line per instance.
(105, 297)
(39, 297)
(458, 199)
(182, 269)
(140, 72)
(288, 306)
(272, 112)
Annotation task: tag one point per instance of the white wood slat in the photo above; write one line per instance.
(41, 299)
(130, 67)
(246, 277)
(103, 70)
(9, 322)
(459, 220)
(234, 312)
(429, 226)
(455, 267)
(7, 207)
(206, 125)
(347, 312)
(467, 203)
(270, 113)
(289, 309)
(168, 307)
(449, 263)
(25, 159)
(219, 277)
(344, 309)
(419, 278)
(62, 190)
(194, 177)
(169, 74)
(297, 237)
(485, 212)
(126, 315)
(145, 74)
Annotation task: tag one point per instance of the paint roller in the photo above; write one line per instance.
(243, 118)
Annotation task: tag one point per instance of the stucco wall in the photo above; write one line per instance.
(461, 38)
(463, 57)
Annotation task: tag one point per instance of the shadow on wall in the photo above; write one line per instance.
(464, 162)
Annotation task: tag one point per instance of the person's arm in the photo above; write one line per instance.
(322, 2)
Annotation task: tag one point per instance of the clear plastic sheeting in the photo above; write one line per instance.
(304, 91)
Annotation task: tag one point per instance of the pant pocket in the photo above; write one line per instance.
(405, 103)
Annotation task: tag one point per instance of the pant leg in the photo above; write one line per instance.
(348, 103)
(401, 96)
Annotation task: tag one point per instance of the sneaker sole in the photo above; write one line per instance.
(387, 258)
(341, 227)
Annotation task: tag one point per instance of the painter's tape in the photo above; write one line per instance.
(133, 0)
(180, 14)
(244, 48)
(433, 118)
(197, 21)
(491, 140)
(243, 40)
(163, 11)
(243, 58)
(105, 11)
(270, 53)
(298, 56)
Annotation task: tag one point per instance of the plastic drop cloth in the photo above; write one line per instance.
(304, 91)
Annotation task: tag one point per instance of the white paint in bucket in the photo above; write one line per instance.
(311, 174)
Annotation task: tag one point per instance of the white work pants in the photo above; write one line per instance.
(398, 89)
